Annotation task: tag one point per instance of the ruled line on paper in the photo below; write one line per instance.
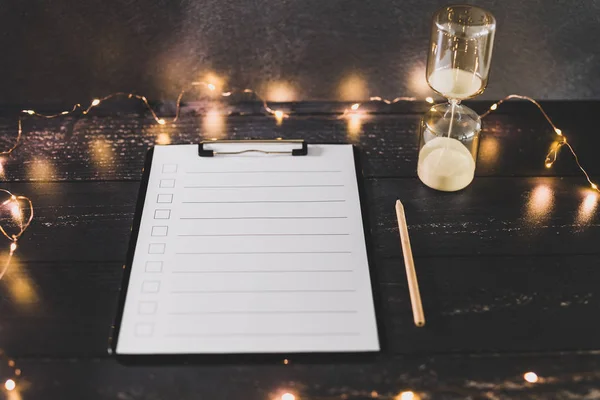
(262, 172)
(261, 187)
(263, 312)
(243, 289)
(264, 291)
(261, 271)
(235, 218)
(271, 252)
(264, 201)
(264, 234)
(261, 334)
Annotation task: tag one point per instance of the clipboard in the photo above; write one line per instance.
(204, 151)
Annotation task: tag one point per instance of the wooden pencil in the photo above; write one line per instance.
(411, 275)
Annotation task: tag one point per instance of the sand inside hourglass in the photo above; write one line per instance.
(445, 164)
(455, 83)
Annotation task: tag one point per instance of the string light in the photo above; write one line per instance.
(406, 395)
(531, 377)
(10, 385)
(13, 204)
(279, 115)
(354, 114)
(562, 140)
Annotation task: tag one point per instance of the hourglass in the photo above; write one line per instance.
(458, 67)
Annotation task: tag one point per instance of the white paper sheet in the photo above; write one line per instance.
(250, 253)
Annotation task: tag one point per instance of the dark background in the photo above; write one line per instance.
(65, 51)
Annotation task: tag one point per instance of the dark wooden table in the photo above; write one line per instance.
(509, 267)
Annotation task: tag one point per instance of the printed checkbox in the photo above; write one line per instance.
(144, 329)
(154, 266)
(156, 248)
(167, 183)
(150, 286)
(164, 198)
(169, 168)
(147, 307)
(162, 214)
(160, 230)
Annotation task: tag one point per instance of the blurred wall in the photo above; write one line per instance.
(68, 51)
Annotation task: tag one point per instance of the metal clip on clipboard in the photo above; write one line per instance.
(203, 152)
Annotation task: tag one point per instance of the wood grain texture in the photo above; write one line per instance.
(508, 265)
(473, 305)
(515, 140)
(91, 221)
(443, 376)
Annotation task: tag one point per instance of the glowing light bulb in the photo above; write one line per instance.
(530, 377)
(15, 210)
(225, 94)
(548, 164)
(429, 100)
(95, 102)
(161, 121)
(493, 107)
(10, 385)
(355, 106)
(288, 396)
(407, 395)
(594, 186)
(279, 116)
(13, 246)
(211, 87)
(64, 113)
(30, 112)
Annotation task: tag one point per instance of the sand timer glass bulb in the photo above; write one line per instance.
(457, 68)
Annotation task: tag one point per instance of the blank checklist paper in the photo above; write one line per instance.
(249, 253)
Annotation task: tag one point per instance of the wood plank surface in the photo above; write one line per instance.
(91, 221)
(473, 304)
(113, 147)
(568, 376)
(509, 265)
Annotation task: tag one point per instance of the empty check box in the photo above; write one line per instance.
(164, 198)
(160, 230)
(162, 214)
(167, 183)
(154, 266)
(150, 286)
(156, 248)
(169, 168)
(147, 307)
(144, 329)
